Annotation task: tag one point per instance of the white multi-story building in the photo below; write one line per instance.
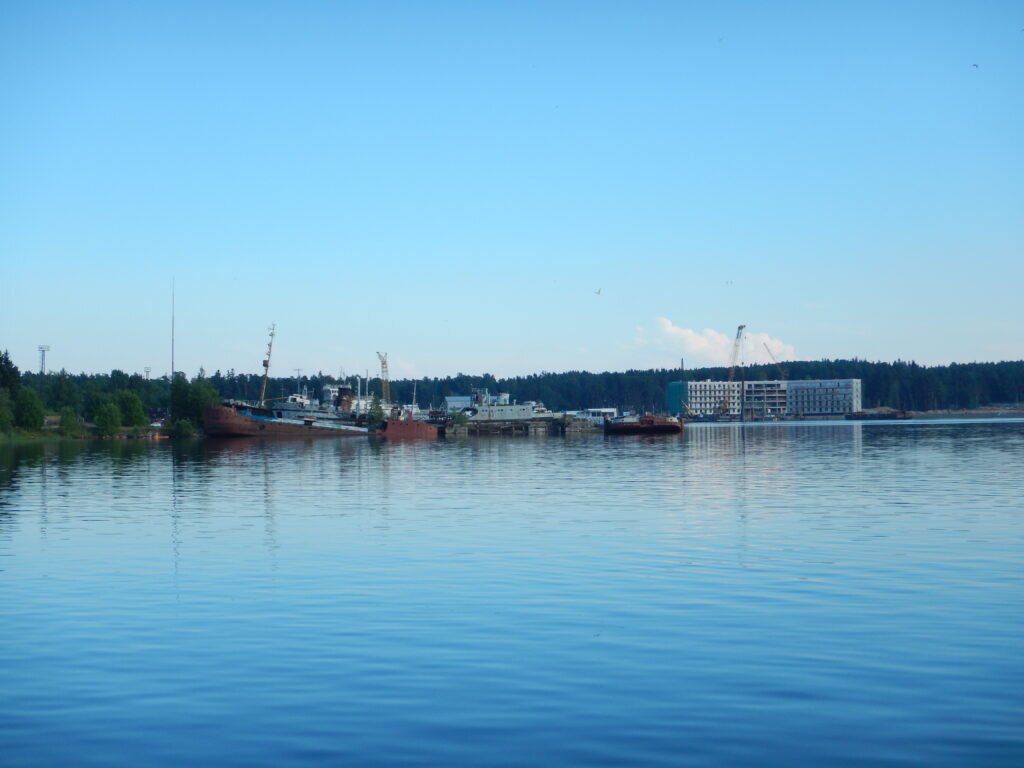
(759, 400)
(707, 398)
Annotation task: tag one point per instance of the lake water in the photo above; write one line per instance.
(787, 594)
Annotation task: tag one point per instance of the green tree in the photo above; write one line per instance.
(180, 391)
(108, 420)
(375, 416)
(201, 394)
(131, 409)
(63, 392)
(10, 377)
(94, 399)
(28, 410)
(70, 424)
(6, 412)
(183, 428)
(189, 400)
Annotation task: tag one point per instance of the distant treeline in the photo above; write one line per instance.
(897, 385)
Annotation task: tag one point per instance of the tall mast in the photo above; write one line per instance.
(266, 366)
(172, 330)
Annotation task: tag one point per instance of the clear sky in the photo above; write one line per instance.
(509, 187)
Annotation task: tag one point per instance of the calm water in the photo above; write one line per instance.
(842, 594)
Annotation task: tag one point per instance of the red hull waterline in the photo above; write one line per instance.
(222, 421)
(403, 429)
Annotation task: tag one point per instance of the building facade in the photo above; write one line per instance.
(768, 400)
(823, 397)
(764, 400)
(708, 398)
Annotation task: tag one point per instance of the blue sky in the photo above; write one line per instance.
(452, 183)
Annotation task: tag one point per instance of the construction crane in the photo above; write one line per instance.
(782, 370)
(266, 367)
(723, 408)
(684, 407)
(385, 382)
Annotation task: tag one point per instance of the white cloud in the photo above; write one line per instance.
(407, 369)
(711, 347)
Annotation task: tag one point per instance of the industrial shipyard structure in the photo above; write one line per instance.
(765, 400)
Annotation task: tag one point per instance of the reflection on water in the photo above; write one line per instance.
(817, 592)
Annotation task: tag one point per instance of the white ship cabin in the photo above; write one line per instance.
(482, 406)
(597, 415)
(296, 402)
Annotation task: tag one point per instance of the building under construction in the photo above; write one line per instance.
(770, 400)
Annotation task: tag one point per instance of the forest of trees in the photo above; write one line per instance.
(108, 401)
(25, 396)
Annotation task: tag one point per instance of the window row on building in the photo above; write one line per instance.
(773, 399)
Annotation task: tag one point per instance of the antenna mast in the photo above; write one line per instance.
(172, 330)
(266, 367)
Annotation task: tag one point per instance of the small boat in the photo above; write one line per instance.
(647, 424)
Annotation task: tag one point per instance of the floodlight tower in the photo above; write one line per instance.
(147, 369)
(43, 349)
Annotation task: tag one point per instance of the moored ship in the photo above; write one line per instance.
(402, 425)
(247, 420)
(647, 424)
(292, 416)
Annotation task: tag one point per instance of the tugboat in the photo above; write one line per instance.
(647, 424)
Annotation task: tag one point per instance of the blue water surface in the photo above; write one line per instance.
(784, 594)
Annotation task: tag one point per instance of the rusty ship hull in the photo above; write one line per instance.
(643, 425)
(410, 429)
(228, 421)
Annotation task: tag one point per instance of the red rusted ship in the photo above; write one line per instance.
(401, 426)
(239, 420)
(293, 416)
